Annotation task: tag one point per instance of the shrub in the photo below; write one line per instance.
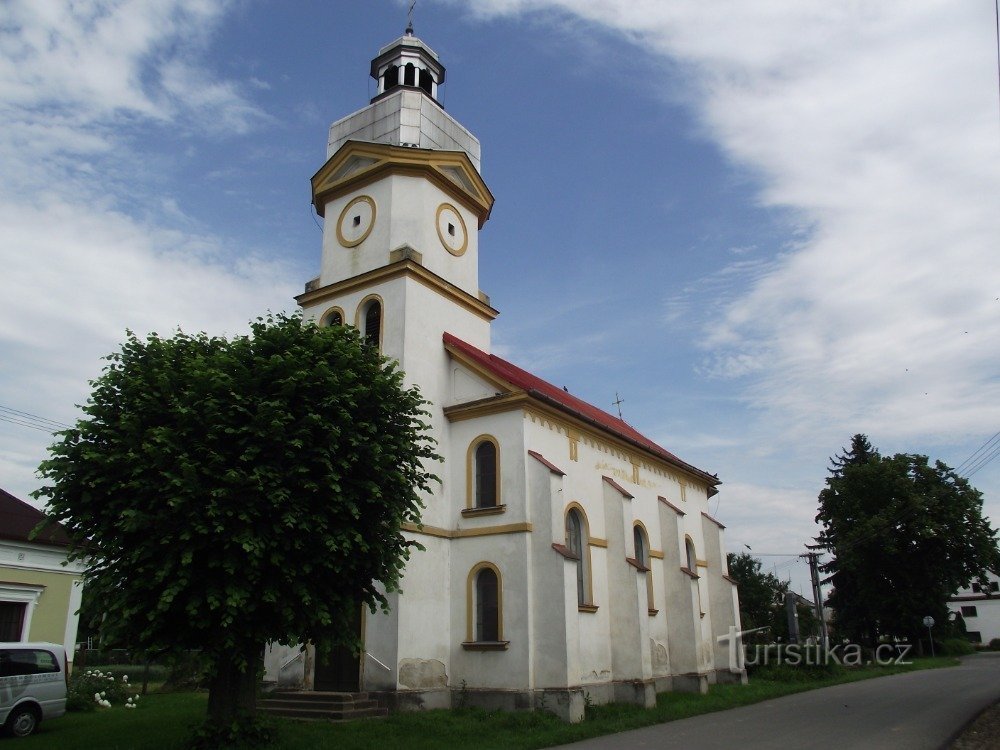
(93, 688)
(956, 647)
(995, 644)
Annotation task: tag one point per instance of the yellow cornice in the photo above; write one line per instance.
(485, 406)
(410, 269)
(377, 160)
(437, 531)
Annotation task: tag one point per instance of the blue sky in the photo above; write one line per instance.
(767, 225)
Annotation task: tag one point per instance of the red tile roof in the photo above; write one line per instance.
(557, 397)
(17, 519)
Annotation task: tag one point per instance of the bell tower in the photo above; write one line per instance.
(403, 202)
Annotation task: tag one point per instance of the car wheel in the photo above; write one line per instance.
(22, 722)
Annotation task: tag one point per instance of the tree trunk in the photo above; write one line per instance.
(232, 689)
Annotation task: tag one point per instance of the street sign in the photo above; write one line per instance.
(928, 622)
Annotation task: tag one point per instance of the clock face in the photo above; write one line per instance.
(451, 229)
(356, 221)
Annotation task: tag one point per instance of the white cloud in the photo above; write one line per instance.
(78, 269)
(875, 126)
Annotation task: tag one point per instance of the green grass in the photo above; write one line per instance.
(163, 720)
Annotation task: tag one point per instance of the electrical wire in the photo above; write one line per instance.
(27, 419)
(987, 446)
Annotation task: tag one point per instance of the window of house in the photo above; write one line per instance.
(576, 542)
(994, 586)
(334, 318)
(12, 620)
(969, 612)
(974, 636)
(976, 588)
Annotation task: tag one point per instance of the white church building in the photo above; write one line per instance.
(569, 559)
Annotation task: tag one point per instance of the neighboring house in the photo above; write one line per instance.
(979, 605)
(39, 592)
(567, 557)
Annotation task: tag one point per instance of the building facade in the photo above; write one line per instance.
(567, 558)
(40, 593)
(979, 606)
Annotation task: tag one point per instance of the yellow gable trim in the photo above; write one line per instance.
(373, 161)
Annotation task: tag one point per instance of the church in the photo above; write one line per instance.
(568, 559)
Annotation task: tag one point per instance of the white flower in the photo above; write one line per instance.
(104, 693)
(111, 677)
(97, 697)
(124, 678)
(106, 704)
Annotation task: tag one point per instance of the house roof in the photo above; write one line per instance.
(552, 395)
(18, 519)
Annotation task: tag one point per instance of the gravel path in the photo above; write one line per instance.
(981, 734)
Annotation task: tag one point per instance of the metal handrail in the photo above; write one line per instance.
(387, 669)
(290, 659)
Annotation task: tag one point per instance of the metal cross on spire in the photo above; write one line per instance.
(409, 18)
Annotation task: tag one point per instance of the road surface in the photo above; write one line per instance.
(920, 710)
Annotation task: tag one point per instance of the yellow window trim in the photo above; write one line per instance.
(470, 470)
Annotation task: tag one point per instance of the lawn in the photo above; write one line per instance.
(163, 720)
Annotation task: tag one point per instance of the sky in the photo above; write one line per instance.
(764, 226)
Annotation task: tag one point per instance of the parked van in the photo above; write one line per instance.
(33, 684)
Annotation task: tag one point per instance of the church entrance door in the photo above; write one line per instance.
(340, 671)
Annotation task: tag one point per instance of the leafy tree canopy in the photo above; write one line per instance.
(905, 534)
(228, 493)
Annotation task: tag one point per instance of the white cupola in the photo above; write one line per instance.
(407, 63)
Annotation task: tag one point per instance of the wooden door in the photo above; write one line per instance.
(340, 672)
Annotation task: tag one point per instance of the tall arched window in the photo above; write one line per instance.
(692, 558)
(484, 609)
(370, 322)
(575, 543)
(487, 606)
(641, 541)
(483, 477)
(486, 475)
(641, 553)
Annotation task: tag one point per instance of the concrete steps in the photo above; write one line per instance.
(311, 705)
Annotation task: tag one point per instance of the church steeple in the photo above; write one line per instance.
(407, 63)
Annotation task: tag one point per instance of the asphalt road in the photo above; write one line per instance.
(914, 711)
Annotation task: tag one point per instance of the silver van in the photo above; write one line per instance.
(33, 684)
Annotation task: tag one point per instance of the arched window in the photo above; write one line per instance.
(483, 476)
(425, 80)
(484, 609)
(576, 542)
(487, 606)
(692, 558)
(334, 317)
(409, 75)
(641, 541)
(486, 475)
(641, 553)
(370, 322)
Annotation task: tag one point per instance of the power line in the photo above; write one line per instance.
(31, 421)
(987, 446)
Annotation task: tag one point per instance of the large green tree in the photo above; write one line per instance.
(904, 535)
(761, 594)
(232, 492)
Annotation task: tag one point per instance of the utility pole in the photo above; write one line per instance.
(813, 558)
